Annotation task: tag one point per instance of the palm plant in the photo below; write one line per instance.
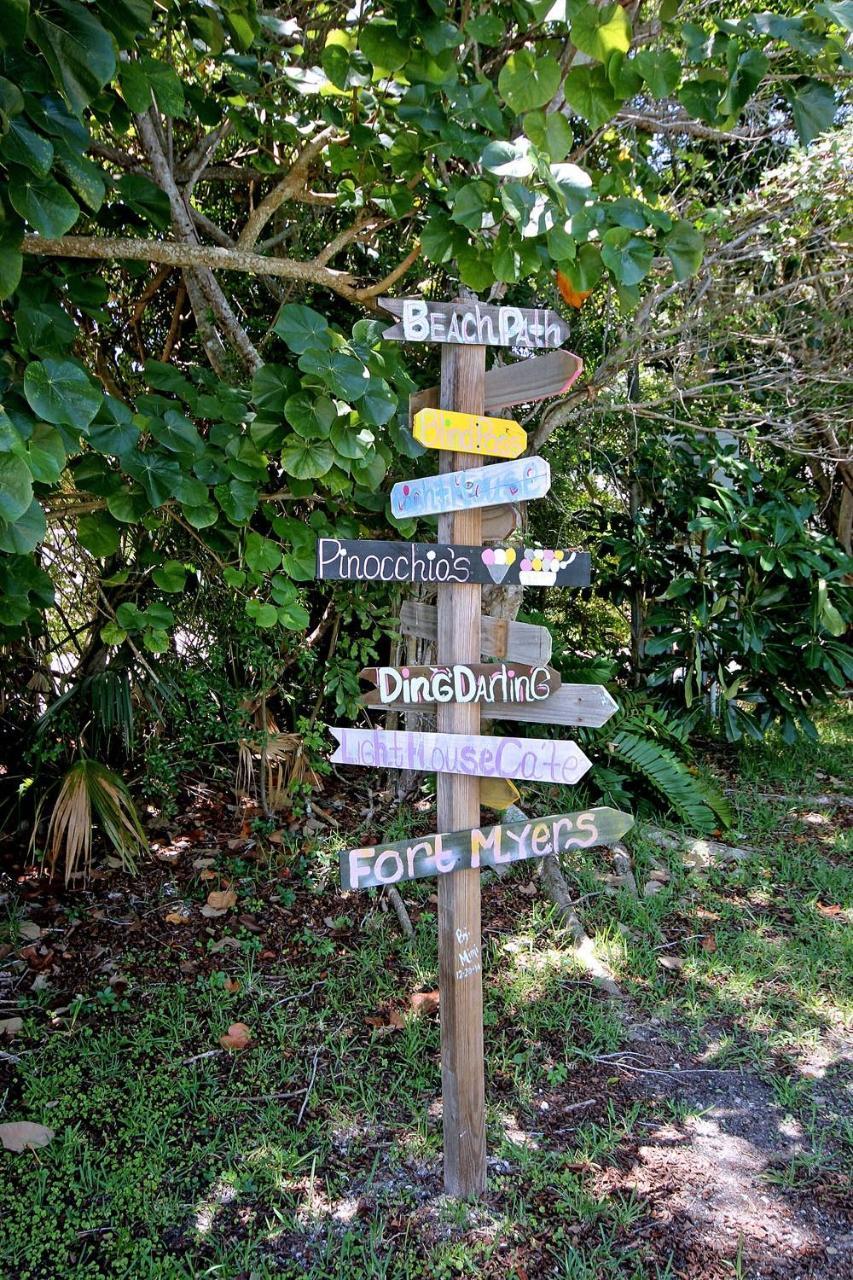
(89, 792)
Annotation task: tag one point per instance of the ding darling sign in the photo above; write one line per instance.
(481, 847)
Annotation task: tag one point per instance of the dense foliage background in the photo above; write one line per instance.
(201, 205)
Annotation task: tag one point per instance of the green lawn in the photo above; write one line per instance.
(316, 1151)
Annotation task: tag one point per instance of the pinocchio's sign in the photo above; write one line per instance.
(481, 847)
(369, 561)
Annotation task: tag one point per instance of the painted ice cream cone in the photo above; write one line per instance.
(498, 561)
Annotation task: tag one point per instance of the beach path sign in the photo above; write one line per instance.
(474, 324)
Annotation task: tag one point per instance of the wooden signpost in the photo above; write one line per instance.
(492, 846)
(515, 481)
(467, 433)
(521, 382)
(494, 682)
(368, 561)
(499, 638)
(472, 501)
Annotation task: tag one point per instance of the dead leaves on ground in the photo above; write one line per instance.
(237, 1037)
(218, 902)
(19, 1135)
(389, 1020)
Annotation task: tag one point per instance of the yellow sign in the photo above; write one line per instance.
(498, 793)
(469, 433)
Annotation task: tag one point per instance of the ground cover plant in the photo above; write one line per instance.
(699, 1127)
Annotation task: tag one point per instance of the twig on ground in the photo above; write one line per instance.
(393, 896)
(622, 864)
(299, 995)
(211, 1053)
(308, 1090)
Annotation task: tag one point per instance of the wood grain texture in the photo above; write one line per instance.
(458, 640)
(471, 323)
(500, 522)
(499, 638)
(483, 682)
(469, 433)
(521, 382)
(589, 705)
(444, 854)
(371, 560)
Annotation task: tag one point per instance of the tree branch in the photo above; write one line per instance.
(293, 181)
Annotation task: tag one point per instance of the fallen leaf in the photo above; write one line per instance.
(29, 930)
(177, 917)
(652, 887)
(201, 864)
(10, 1026)
(231, 985)
(575, 297)
(38, 957)
(210, 913)
(20, 1134)
(425, 1001)
(233, 943)
(222, 899)
(709, 943)
(207, 874)
(237, 1037)
(830, 910)
(672, 963)
(529, 890)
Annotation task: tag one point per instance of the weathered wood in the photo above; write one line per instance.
(469, 433)
(473, 323)
(526, 759)
(365, 560)
(495, 682)
(516, 481)
(521, 382)
(461, 984)
(499, 523)
(589, 705)
(487, 847)
(498, 793)
(499, 638)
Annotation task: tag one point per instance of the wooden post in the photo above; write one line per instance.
(463, 370)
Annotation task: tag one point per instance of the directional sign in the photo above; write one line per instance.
(526, 759)
(499, 638)
(499, 523)
(474, 323)
(498, 683)
(572, 704)
(478, 487)
(368, 561)
(469, 433)
(520, 382)
(481, 847)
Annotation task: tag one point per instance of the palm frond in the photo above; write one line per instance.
(88, 792)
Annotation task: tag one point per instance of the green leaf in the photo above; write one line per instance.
(43, 203)
(378, 404)
(263, 615)
(307, 460)
(814, 106)
(685, 248)
(11, 268)
(262, 555)
(77, 49)
(129, 616)
(45, 454)
(156, 641)
(238, 500)
(487, 29)
(600, 32)
(14, 28)
(838, 11)
(24, 535)
(201, 516)
(171, 576)
(475, 267)
(348, 376)
(159, 476)
(145, 199)
(506, 160)
(829, 616)
(45, 329)
(623, 76)
(98, 534)
(302, 327)
(349, 443)
(271, 386)
(588, 92)
(628, 257)
(22, 145)
(295, 617)
(60, 392)
(551, 132)
(370, 472)
(748, 73)
(660, 69)
(126, 19)
(112, 633)
(85, 178)
(135, 87)
(381, 45)
(310, 416)
(585, 270)
(177, 434)
(128, 506)
(165, 85)
(472, 202)
(528, 81)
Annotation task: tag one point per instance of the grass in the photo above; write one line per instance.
(316, 1152)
